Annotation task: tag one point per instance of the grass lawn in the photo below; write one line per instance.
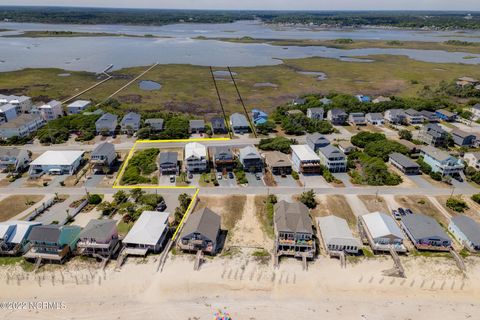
(187, 88)
(123, 227)
(421, 204)
(13, 205)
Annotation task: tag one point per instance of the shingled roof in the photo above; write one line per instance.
(292, 217)
(203, 221)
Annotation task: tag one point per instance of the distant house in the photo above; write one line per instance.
(395, 116)
(103, 156)
(413, 149)
(99, 237)
(223, 158)
(429, 116)
(472, 159)
(346, 147)
(168, 162)
(305, 160)
(374, 118)
(196, 157)
(446, 115)
(251, 160)
(434, 135)
(201, 232)
(156, 124)
(294, 112)
(14, 236)
(475, 110)
(404, 163)
(8, 112)
(293, 230)
(299, 101)
(196, 126)
(52, 110)
(278, 162)
(13, 160)
(149, 233)
(239, 123)
(316, 141)
(130, 123)
(466, 231)
(259, 117)
(52, 242)
(441, 162)
(218, 125)
(315, 113)
(22, 126)
(337, 236)
(333, 159)
(23, 104)
(363, 99)
(467, 81)
(380, 99)
(357, 119)
(78, 106)
(56, 162)
(325, 101)
(337, 116)
(382, 232)
(413, 116)
(425, 232)
(106, 124)
(462, 138)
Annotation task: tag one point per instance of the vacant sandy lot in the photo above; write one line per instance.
(13, 205)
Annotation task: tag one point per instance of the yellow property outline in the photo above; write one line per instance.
(116, 184)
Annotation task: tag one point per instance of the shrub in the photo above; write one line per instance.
(94, 199)
(308, 199)
(436, 176)
(405, 134)
(295, 175)
(276, 144)
(361, 139)
(457, 205)
(382, 149)
(476, 197)
(424, 167)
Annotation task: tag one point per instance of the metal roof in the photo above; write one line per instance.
(148, 229)
(203, 221)
(304, 152)
(195, 149)
(335, 230)
(381, 225)
(403, 160)
(292, 217)
(469, 227)
(421, 226)
(79, 104)
(57, 157)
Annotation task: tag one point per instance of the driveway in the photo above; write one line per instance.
(420, 181)
(57, 212)
(344, 177)
(226, 182)
(252, 181)
(165, 181)
(287, 181)
(314, 181)
(94, 180)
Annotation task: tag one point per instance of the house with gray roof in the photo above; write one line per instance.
(471, 159)
(168, 163)
(404, 163)
(413, 116)
(21, 126)
(325, 101)
(196, 126)
(463, 139)
(446, 115)
(337, 236)
(130, 123)
(316, 140)
(103, 157)
(441, 161)
(218, 125)
(106, 124)
(333, 159)
(78, 106)
(375, 118)
(155, 124)
(52, 242)
(99, 237)
(201, 232)
(223, 158)
(315, 113)
(466, 231)
(395, 116)
(337, 116)
(357, 119)
(425, 232)
(429, 116)
(382, 232)
(433, 134)
(251, 160)
(239, 123)
(13, 160)
(293, 230)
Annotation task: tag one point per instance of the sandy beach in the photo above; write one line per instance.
(247, 289)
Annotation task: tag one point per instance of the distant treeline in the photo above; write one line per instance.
(401, 19)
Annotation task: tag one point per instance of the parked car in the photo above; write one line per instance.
(172, 178)
(396, 214)
(408, 211)
(219, 176)
(230, 175)
(190, 176)
(161, 206)
(401, 211)
(257, 176)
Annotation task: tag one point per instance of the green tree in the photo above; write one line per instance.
(120, 196)
(361, 139)
(405, 134)
(136, 193)
(308, 199)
